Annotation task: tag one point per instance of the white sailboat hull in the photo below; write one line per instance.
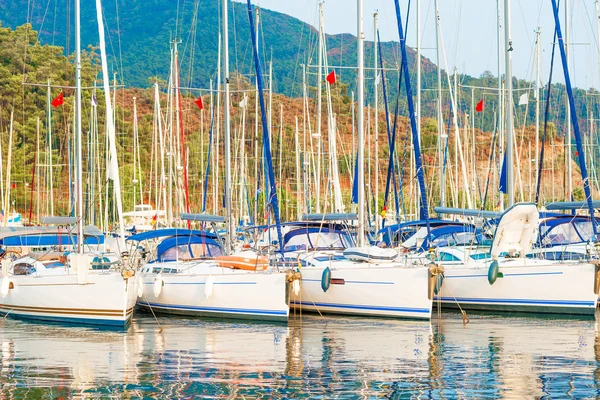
(106, 299)
(526, 286)
(233, 293)
(360, 288)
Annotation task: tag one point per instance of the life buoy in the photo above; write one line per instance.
(158, 285)
(493, 272)
(326, 279)
(208, 287)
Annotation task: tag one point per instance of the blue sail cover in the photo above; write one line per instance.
(355, 182)
(413, 121)
(207, 174)
(502, 187)
(270, 175)
(574, 119)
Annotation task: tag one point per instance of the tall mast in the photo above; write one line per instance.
(135, 132)
(50, 172)
(256, 118)
(441, 145)
(418, 110)
(319, 106)
(6, 199)
(298, 175)
(376, 131)
(509, 106)
(227, 132)
(112, 158)
(361, 128)
(500, 94)
(79, 177)
(569, 144)
(537, 98)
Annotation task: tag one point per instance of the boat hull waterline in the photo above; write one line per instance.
(105, 299)
(535, 288)
(224, 293)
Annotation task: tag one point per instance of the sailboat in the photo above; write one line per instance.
(343, 277)
(504, 277)
(195, 272)
(79, 287)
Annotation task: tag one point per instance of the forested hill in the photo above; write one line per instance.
(140, 34)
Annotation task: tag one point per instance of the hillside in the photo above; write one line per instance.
(140, 33)
(24, 59)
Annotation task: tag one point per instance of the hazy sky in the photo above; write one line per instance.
(469, 29)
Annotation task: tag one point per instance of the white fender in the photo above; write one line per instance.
(140, 286)
(158, 284)
(296, 287)
(208, 286)
(4, 286)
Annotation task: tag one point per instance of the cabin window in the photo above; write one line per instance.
(447, 257)
(317, 240)
(191, 251)
(23, 269)
(561, 234)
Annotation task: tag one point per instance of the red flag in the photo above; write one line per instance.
(58, 101)
(13, 185)
(331, 78)
(199, 103)
(479, 106)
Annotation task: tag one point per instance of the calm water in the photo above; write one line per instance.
(491, 357)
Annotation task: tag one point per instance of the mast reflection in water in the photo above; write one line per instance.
(511, 357)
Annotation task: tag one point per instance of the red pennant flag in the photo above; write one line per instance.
(479, 106)
(13, 185)
(58, 101)
(331, 78)
(199, 103)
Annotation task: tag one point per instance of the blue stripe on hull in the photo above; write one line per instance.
(363, 307)
(203, 283)
(577, 303)
(504, 274)
(112, 323)
(358, 282)
(217, 309)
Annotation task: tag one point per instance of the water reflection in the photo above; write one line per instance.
(329, 357)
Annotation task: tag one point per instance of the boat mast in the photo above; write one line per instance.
(361, 129)
(569, 196)
(112, 157)
(6, 207)
(319, 106)
(418, 108)
(298, 175)
(135, 131)
(49, 126)
(227, 130)
(537, 97)
(509, 106)
(500, 94)
(376, 130)
(441, 144)
(79, 176)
